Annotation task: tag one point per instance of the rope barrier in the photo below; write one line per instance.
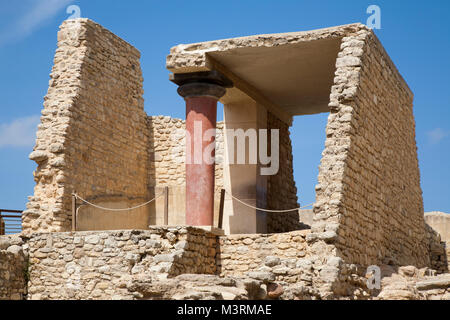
(266, 210)
(110, 209)
(144, 204)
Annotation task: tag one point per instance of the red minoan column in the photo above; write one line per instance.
(201, 91)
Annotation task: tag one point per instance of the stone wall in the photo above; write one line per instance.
(167, 152)
(190, 263)
(383, 198)
(98, 265)
(92, 136)
(287, 261)
(281, 189)
(13, 268)
(369, 201)
(248, 254)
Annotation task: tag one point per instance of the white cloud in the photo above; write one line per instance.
(38, 12)
(435, 136)
(19, 133)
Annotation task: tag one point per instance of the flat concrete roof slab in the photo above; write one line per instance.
(296, 77)
(290, 73)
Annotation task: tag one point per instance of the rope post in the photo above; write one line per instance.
(166, 205)
(74, 212)
(221, 205)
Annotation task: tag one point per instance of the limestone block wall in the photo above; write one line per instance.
(98, 265)
(92, 136)
(239, 255)
(281, 189)
(13, 268)
(166, 151)
(190, 263)
(369, 202)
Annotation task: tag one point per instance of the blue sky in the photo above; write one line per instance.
(416, 34)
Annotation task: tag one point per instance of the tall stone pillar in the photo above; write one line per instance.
(244, 180)
(201, 91)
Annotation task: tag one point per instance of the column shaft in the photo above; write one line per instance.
(201, 112)
(201, 91)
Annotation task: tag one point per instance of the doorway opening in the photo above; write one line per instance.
(308, 134)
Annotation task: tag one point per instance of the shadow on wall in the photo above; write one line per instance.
(91, 218)
(165, 168)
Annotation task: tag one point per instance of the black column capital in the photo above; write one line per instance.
(197, 84)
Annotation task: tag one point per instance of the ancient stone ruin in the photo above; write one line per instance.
(97, 148)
